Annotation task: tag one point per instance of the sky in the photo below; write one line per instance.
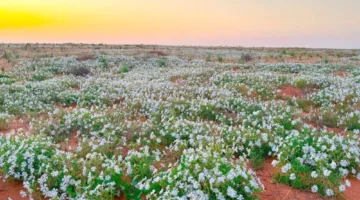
(251, 23)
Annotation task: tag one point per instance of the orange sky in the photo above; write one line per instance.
(320, 23)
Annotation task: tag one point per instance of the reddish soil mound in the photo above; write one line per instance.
(340, 73)
(177, 80)
(11, 189)
(277, 191)
(85, 57)
(5, 65)
(16, 125)
(72, 144)
(235, 69)
(330, 130)
(293, 60)
(158, 53)
(290, 91)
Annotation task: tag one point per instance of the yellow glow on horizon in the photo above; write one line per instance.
(175, 22)
(20, 19)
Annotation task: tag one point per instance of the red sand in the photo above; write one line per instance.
(11, 189)
(16, 125)
(158, 53)
(304, 59)
(290, 91)
(340, 73)
(72, 144)
(353, 192)
(4, 64)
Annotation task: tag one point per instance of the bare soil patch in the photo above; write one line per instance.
(11, 189)
(157, 53)
(16, 125)
(293, 60)
(291, 91)
(4, 64)
(353, 192)
(340, 73)
(72, 143)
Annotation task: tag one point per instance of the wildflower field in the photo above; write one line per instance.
(166, 122)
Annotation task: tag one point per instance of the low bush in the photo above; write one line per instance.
(4, 120)
(161, 63)
(125, 68)
(220, 58)
(246, 57)
(79, 71)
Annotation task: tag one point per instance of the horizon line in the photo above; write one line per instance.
(176, 45)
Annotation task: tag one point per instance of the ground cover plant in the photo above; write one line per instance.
(155, 122)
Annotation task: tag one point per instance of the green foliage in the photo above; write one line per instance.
(301, 83)
(103, 63)
(125, 68)
(207, 113)
(208, 58)
(330, 120)
(7, 56)
(304, 104)
(161, 63)
(4, 120)
(256, 158)
(39, 77)
(292, 54)
(5, 79)
(353, 123)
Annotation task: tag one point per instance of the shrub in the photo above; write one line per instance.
(125, 68)
(246, 57)
(85, 57)
(4, 120)
(301, 83)
(220, 58)
(353, 123)
(103, 62)
(79, 71)
(256, 158)
(6, 81)
(304, 104)
(7, 56)
(39, 76)
(161, 63)
(330, 120)
(207, 113)
(4, 76)
(208, 58)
